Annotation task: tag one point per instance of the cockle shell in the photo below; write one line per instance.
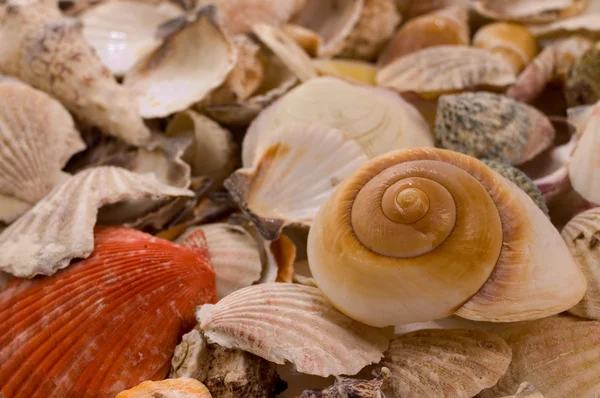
(123, 32)
(105, 324)
(351, 70)
(59, 228)
(277, 190)
(289, 322)
(529, 11)
(347, 387)
(379, 120)
(492, 126)
(184, 69)
(526, 390)
(511, 41)
(170, 388)
(582, 86)
(445, 363)
(49, 52)
(435, 70)
(37, 138)
(585, 160)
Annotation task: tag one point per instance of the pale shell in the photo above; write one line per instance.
(528, 11)
(288, 322)
(583, 173)
(249, 71)
(350, 70)
(60, 227)
(534, 78)
(307, 39)
(526, 390)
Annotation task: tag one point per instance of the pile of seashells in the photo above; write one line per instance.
(300, 198)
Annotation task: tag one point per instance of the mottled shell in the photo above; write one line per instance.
(529, 11)
(582, 86)
(170, 388)
(511, 41)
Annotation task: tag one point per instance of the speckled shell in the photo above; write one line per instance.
(105, 324)
(288, 322)
(582, 86)
(170, 388)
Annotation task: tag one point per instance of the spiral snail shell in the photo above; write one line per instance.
(420, 234)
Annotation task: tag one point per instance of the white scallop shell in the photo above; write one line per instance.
(60, 226)
(287, 322)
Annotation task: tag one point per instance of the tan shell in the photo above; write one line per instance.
(351, 70)
(288, 322)
(583, 173)
(60, 227)
(529, 11)
(526, 390)
(445, 363)
(569, 49)
(410, 9)
(170, 388)
(37, 139)
(440, 69)
(511, 41)
(183, 70)
(306, 38)
(49, 52)
(587, 25)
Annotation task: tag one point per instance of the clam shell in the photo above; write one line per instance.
(59, 228)
(492, 126)
(184, 69)
(441, 69)
(528, 11)
(170, 388)
(350, 70)
(587, 25)
(584, 161)
(105, 324)
(445, 363)
(288, 322)
(526, 390)
(379, 120)
(37, 139)
(123, 32)
(277, 190)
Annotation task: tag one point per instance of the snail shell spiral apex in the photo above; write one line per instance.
(420, 234)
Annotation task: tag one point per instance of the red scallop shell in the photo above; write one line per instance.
(104, 324)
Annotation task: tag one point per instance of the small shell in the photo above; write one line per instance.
(288, 322)
(170, 388)
(440, 69)
(529, 11)
(445, 363)
(346, 387)
(104, 324)
(582, 86)
(378, 119)
(583, 167)
(306, 38)
(526, 390)
(37, 139)
(511, 41)
(277, 190)
(183, 70)
(448, 26)
(347, 69)
(587, 25)
(123, 32)
(492, 126)
(60, 227)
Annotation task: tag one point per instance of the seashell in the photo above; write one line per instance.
(212, 152)
(173, 77)
(529, 11)
(526, 390)
(448, 363)
(492, 126)
(50, 53)
(447, 26)
(511, 41)
(249, 71)
(350, 70)
(532, 81)
(586, 25)
(170, 388)
(513, 264)
(307, 39)
(287, 322)
(410, 9)
(286, 49)
(378, 119)
(557, 355)
(277, 190)
(433, 71)
(346, 387)
(123, 32)
(37, 139)
(104, 324)
(59, 228)
(581, 86)
(584, 160)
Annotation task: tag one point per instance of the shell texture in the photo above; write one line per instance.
(170, 388)
(534, 79)
(529, 11)
(59, 228)
(445, 363)
(249, 71)
(105, 324)
(582, 86)
(347, 387)
(586, 25)
(347, 69)
(526, 390)
(584, 160)
(306, 38)
(288, 322)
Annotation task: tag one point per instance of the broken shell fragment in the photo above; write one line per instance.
(277, 190)
(445, 363)
(170, 388)
(104, 324)
(347, 69)
(492, 126)
(582, 86)
(59, 228)
(49, 52)
(289, 322)
(529, 11)
(435, 70)
(511, 41)
(183, 70)
(37, 139)
(347, 387)
(583, 173)
(123, 32)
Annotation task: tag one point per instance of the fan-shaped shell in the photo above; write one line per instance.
(60, 227)
(445, 363)
(171, 388)
(288, 322)
(106, 323)
(529, 11)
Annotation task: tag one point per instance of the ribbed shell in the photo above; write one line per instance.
(288, 322)
(445, 363)
(171, 388)
(60, 227)
(105, 324)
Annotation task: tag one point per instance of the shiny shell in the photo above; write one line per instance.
(170, 388)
